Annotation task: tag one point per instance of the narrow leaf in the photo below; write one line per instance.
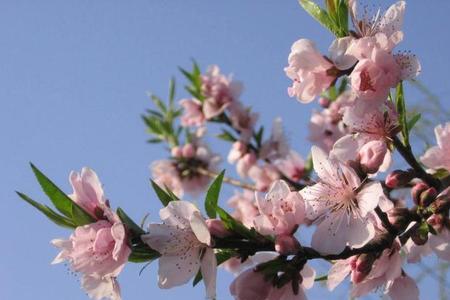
(413, 121)
(48, 212)
(131, 225)
(212, 196)
(163, 196)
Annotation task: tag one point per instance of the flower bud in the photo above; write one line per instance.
(286, 244)
(417, 190)
(217, 229)
(428, 196)
(361, 267)
(188, 151)
(420, 235)
(324, 102)
(371, 156)
(398, 178)
(176, 151)
(399, 217)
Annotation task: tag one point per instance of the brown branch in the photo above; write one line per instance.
(228, 180)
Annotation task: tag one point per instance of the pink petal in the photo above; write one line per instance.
(337, 273)
(101, 287)
(404, 288)
(209, 272)
(177, 213)
(175, 270)
(369, 197)
(200, 229)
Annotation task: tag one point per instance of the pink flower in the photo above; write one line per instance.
(281, 210)
(179, 174)
(88, 192)
(340, 204)
(243, 120)
(98, 250)
(292, 166)
(276, 146)
(372, 155)
(438, 157)
(251, 285)
(183, 240)
(389, 23)
(375, 75)
(263, 176)
(245, 207)
(244, 160)
(324, 130)
(385, 271)
(165, 174)
(367, 123)
(192, 113)
(310, 71)
(219, 92)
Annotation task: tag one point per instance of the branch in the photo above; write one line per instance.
(228, 180)
(407, 154)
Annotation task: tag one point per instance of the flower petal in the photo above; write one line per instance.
(175, 270)
(209, 271)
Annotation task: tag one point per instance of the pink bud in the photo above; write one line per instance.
(176, 151)
(417, 190)
(286, 245)
(398, 178)
(324, 102)
(428, 196)
(361, 267)
(371, 155)
(217, 229)
(188, 151)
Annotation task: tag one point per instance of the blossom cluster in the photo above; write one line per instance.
(346, 189)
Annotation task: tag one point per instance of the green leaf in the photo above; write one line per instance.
(413, 121)
(319, 14)
(171, 92)
(234, 225)
(48, 212)
(227, 136)
(131, 225)
(259, 136)
(143, 254)
(163, 196)
(159, 103)
(80, 217)
(61, 201)
(401, 110)
(321, 278)
(212, 196)
(221, 256)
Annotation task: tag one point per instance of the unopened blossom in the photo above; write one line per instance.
(310, 72)
(340, 204)
(192, 113)
(438, 157)
(243, 158)
(251, 285)
(98, 250)
(386, 271)
(219, 92)
(184, 241)
(263, 176)
(292, 166)
(180, 174)
(281, 210)
(367, 123)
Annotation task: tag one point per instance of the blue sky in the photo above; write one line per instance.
(73, 83)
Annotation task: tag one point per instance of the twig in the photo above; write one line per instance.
(406, 153)
(228, 180)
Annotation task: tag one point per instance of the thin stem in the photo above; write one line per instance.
(228, 180)
(407, 154)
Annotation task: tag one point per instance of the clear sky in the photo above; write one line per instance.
(73, 83)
